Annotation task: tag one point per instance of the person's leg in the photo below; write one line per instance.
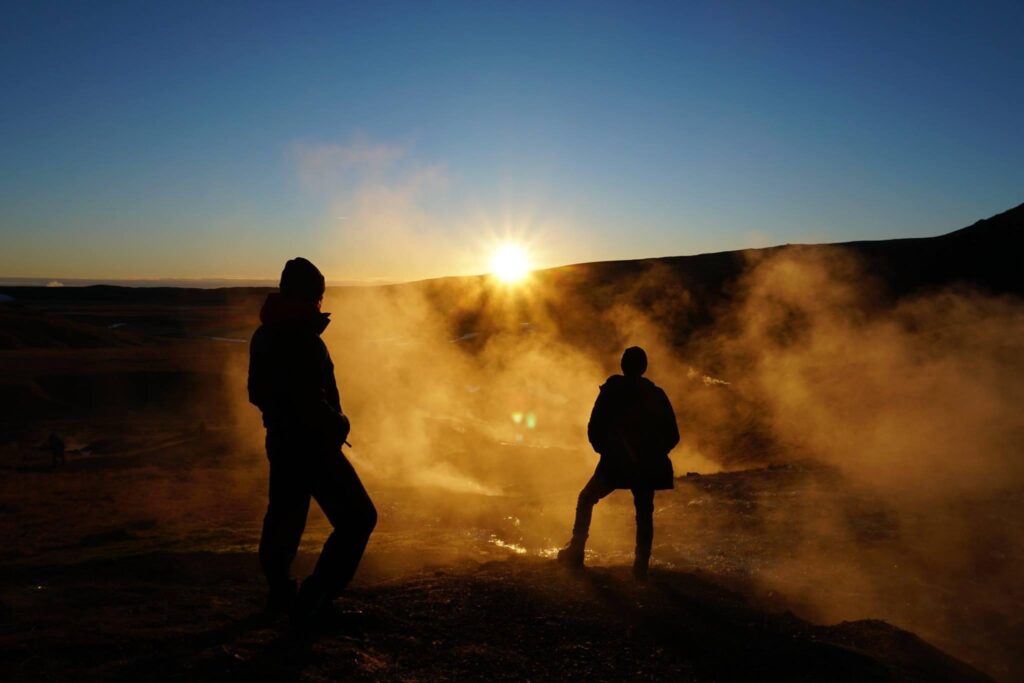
(346, 504)
(595, 489)
(283, 525)
(643, 501)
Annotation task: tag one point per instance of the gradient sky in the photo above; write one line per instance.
(402, 140)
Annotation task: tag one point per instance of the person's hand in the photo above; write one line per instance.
(343, 427)
(334, 430)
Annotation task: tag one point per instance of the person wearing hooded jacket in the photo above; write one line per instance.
(633, 428)
(291, 381)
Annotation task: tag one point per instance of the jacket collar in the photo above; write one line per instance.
(278, 309)
(624, 382)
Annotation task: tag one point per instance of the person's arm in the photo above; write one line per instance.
(331, 386)
(340, 423)
(597, 427)
(671, 428)
(257, 381)
(313, 399)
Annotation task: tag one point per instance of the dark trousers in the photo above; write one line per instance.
(643, 500)
(297, 473)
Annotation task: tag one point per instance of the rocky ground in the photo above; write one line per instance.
(198, 617)
(136, 560)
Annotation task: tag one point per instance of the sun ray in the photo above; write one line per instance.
(510, 263)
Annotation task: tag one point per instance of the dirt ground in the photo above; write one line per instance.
(190, 616)
(137, 560)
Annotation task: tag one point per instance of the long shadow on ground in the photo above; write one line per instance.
(197, 617)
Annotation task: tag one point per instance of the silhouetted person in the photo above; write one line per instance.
(633, 428)
(291, 380)
(56, 446)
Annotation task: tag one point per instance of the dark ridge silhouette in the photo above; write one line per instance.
(981, 255)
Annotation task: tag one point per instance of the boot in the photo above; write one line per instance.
(571, 555)
(281, 597)
(311, 603)
(640, 564)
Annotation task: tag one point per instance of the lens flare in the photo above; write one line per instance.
(509, 263)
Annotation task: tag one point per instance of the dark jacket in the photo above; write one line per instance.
(291, 376)
(633, 427)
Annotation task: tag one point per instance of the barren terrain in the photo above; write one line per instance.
(847, 505)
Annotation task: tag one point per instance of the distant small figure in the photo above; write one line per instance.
(633, 428)
(291, 380)
(56, 446)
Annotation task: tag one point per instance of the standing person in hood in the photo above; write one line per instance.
(291, 380)
(633, 428)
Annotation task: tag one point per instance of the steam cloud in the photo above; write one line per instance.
(913, 403)
(469, 404)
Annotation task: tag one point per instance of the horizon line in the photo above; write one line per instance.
(33, 281)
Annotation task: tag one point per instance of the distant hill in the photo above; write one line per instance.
(984, 255)
(21, 328)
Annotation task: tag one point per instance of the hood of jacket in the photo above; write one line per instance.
(283, 310)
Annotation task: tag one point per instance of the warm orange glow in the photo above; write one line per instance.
(510, 264)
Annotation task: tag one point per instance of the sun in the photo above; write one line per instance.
(509, 263)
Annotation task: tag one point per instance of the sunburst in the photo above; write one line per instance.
(510, 263)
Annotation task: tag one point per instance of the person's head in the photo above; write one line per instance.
(634, 362)
(300, 279)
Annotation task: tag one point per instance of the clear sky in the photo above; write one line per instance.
(401, 140)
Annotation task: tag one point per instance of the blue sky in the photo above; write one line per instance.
(403, 140)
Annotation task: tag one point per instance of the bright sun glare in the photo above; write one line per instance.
(509, 263)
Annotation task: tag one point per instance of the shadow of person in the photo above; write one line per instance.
(720, 633)
(256, 647)
(268, 647)
(283, 659)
